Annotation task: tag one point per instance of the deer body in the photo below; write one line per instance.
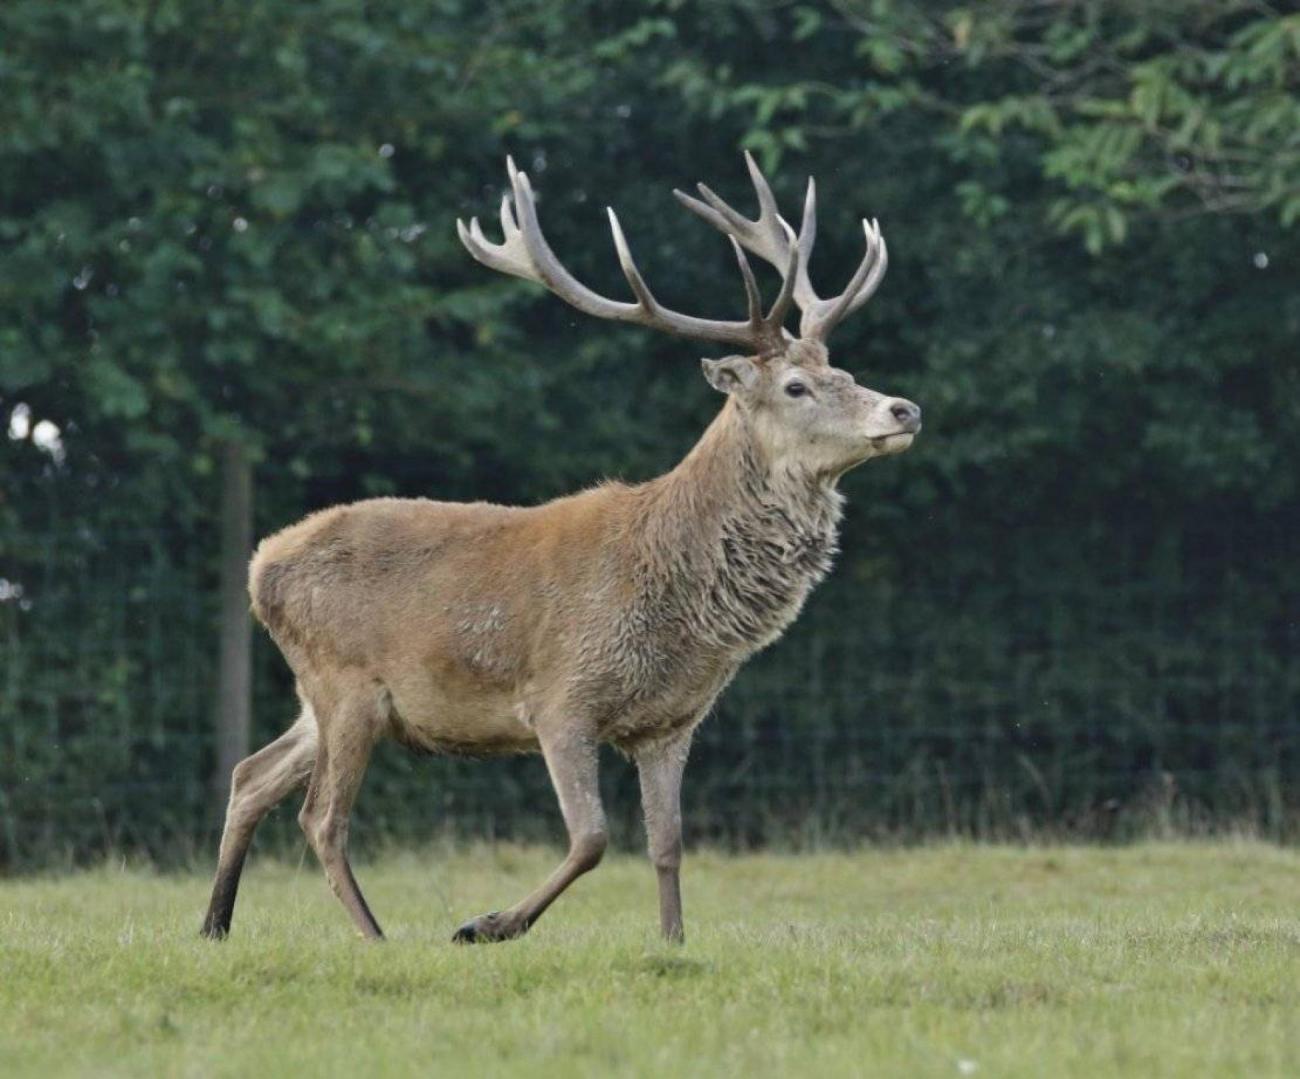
(615, 615)
(639, 601)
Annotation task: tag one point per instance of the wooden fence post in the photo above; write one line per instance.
(234, 672)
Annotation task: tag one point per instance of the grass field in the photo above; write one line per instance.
(1165, 959)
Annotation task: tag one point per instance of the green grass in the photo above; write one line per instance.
(1169, 959)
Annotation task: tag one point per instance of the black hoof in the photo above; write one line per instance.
(485, 929)
(466, 934)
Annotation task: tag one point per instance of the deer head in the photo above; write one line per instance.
(804, 413)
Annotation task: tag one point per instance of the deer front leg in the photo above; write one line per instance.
(572, 761)
(660, 768)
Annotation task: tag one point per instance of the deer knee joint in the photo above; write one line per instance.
(240, 776)
(331, 834)
(588, 849)
(666, 854)
(316, 828)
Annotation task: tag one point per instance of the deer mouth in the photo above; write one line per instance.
(893, 443)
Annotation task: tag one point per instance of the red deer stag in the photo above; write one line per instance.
(614, 615)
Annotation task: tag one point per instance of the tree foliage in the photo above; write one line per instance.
(236, 221)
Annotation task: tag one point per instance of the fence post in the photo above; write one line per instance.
(234, 671)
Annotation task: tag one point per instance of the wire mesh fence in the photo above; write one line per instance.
(934, 698)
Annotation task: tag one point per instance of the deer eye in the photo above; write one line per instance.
(795, 389)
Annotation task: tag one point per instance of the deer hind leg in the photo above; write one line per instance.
(348, 733)
(571, 759)
(257, 785)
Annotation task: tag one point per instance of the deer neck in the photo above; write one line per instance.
(736, 540)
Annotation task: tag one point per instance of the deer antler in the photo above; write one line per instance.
(525, 253)
(770, 238)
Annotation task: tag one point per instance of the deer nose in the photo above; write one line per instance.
(907, 414)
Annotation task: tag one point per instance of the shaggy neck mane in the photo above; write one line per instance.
(732, 543)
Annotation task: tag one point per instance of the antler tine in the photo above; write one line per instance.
(866, 279)
(877, 273)
(808, 227)
(723, 216)
(766, 200)
(752, 297)
(633, 275)
(789, 278)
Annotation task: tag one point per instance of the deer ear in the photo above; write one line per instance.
(731, 373)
